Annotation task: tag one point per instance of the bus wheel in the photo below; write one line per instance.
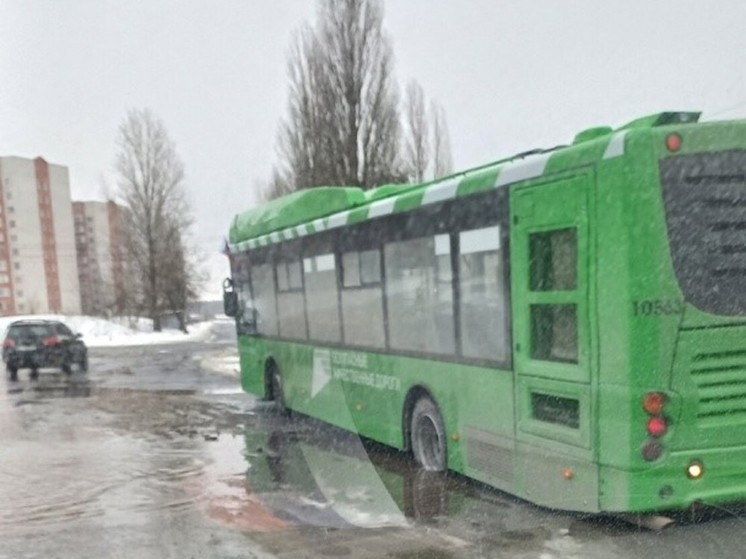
(428, 436)
(275, 381)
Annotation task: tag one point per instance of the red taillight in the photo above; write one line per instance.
(673, 142)
(8, 343)
(657, 426)
(50, 341)
(653, 403)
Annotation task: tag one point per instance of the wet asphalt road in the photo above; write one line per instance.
(155, 454)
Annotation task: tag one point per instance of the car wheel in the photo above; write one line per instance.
(428, 436)
(13, 372)
(83, 363)
(66, 367)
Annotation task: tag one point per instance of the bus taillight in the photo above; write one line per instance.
(652, 450)
(657, 426)
(653, 403)
(673, 142)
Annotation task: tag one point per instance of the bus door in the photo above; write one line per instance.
(550, 263)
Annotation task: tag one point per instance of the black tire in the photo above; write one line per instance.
(428, 436)
(13, 372)
(67, 367)
(275, 382)
(83, 363)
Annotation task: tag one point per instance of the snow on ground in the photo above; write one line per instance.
(100, 332)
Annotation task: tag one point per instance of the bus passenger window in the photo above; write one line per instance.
(370, 267)
(482, 295)
(321, 298)
(264, 299)
(351, 269)
(419, 295)
(290, 300)
(362, 300)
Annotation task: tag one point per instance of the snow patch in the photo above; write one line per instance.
(100, 332)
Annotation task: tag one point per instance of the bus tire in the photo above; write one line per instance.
(275, 382)
(428, 436)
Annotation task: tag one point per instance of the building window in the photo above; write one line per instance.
(12, 223)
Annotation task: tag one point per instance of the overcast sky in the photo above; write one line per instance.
(511, 75)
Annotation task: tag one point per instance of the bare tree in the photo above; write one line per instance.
(417, 143)
(441, 142)
(274, 188)
(151, 185)
(343, 124)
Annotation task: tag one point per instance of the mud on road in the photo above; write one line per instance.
(157, 453)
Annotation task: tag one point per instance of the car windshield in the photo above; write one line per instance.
(399, 279)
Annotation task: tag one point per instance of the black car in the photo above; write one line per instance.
(37, 344)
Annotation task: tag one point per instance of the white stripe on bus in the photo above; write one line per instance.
(337, 220)
(381, 207)
(440, 192)
(616, 145)
(522, 169)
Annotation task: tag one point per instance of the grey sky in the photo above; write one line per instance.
(510, 76)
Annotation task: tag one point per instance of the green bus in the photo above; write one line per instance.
(567, 325)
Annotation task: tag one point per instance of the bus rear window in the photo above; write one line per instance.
(705, 202)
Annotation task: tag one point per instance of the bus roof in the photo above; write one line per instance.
(318, 209)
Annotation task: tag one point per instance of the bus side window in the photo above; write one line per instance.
(419, 295)
(262, 280)
(553, 263)
(290, 308)
(362, 299)
(482, 295)
(322, 301)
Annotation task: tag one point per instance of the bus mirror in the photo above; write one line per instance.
(230, 303)
(230, 299)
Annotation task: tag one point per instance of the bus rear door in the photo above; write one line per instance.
(550, 280)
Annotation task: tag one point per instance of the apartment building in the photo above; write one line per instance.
(100, 243)
(38, 261)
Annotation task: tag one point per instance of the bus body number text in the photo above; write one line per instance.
(657, 307)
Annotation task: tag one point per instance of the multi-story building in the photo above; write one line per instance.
(38, 262)
(100, 243)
